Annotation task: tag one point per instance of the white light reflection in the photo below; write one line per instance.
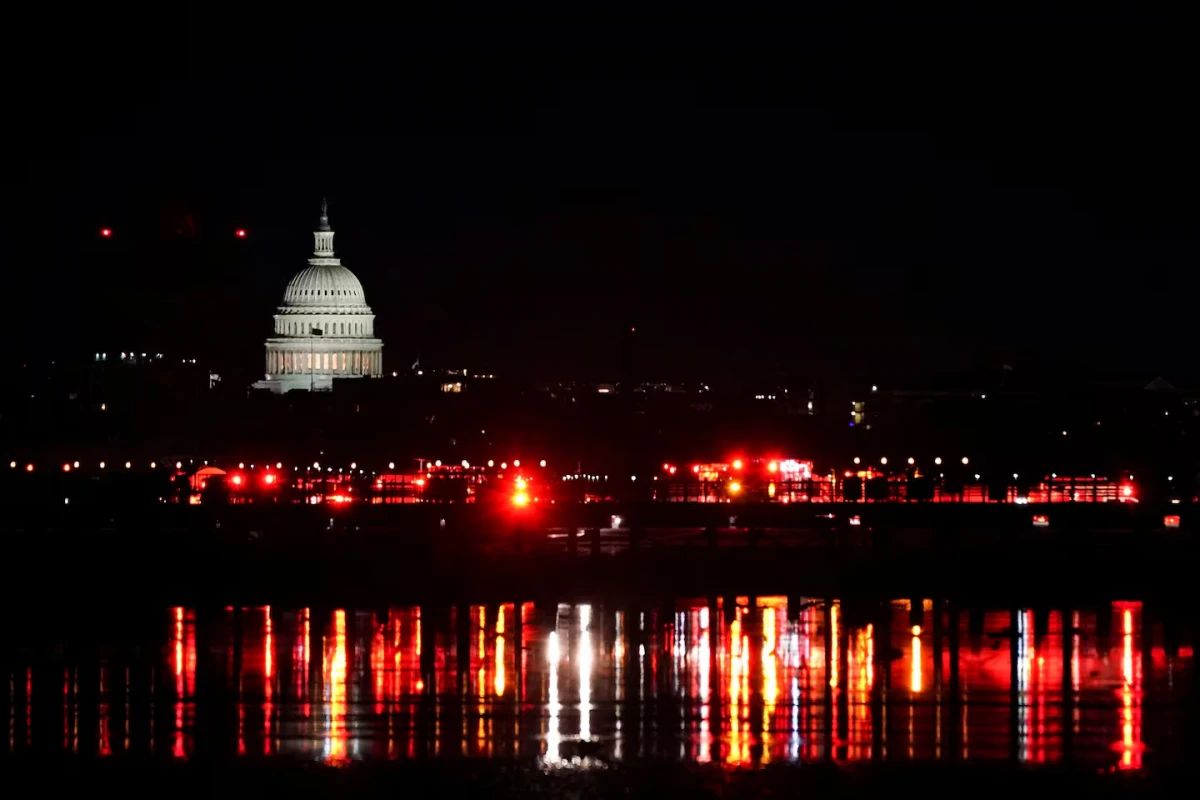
(553, 736)
(585, 672)
(1024, 655)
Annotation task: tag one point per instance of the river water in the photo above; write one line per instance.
(741, 683)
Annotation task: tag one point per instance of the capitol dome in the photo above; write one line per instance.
(324, 285)
(324, 328)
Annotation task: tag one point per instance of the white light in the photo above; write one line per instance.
(75, 465)
(616, 521)
(1014, 476)
(353, 465)
(437, 463)
(883, 461)
(466, 464)
(1169, 477)
(128, 465)
(516, 462)
(633, 477)
(857, 460)
(391, 465)
(965, 461)
(503, 465)
(12, 465)
(153, 465)
(874, 388)
(101, 465)
(911, 460)
(491, 463)
(278, 465)
(938, 461)
(104, 406)
(241, 465)
(1053, 474)
(542, 463)
(976, 476)
(316, 465)
(178, 465)
(1064, 433)
(983, 397)
(66, 501)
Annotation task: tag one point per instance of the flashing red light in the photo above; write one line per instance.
(269, 478)
(1041, 521)
(520, 499)
(29, 467)
(241, 233)
(237, 480)
(1127, 491)
(737, 463)
(1171, 521)
(66, 467)
(106, 232)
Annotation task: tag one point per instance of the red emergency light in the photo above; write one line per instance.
(1171, 521)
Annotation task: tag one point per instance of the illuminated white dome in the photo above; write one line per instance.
(324, 329)
(324, 285)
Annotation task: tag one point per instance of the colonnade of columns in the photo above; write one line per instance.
(339, 362)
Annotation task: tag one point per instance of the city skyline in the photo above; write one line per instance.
(743, 208)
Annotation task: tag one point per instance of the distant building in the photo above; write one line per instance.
(324, 329)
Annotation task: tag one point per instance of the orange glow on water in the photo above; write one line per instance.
(1131, 702)
(915, 680)
(832, 656)
(336, 675)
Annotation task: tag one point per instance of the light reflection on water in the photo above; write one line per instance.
(748, 683)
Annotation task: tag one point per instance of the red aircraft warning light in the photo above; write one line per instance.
(106, 233)
(240, 233)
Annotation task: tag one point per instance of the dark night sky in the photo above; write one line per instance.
(878, 195)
